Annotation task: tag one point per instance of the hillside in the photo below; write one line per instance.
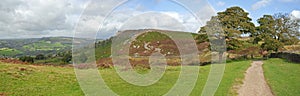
(145, 44)
(34, 46)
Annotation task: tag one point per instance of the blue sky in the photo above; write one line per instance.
(267, 7)
(47, 18)
(256, 8)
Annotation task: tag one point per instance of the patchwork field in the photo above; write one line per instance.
(9, 52)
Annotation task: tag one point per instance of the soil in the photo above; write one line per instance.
(254, 83)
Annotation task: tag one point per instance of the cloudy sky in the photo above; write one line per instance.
(44, 18)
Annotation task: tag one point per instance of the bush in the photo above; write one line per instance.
(67, 58)
(40, 57)
(27, 59)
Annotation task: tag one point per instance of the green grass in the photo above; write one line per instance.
(9, 52)
(152, 36)
(37, 81)
(47, 80)
(233, 76)
(283, 77)
(103, 51)
(44, 46)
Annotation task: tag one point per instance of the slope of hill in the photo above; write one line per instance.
(34, 46)
(30, 80)
(151, 41)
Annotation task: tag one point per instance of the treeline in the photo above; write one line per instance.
(60, 58)
(242, 37)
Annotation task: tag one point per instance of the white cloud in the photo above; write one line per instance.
(153, 20)
(295, 14)
(38, 18)
(260, 4)
(220, 3)
(168, 20)
(35, 18)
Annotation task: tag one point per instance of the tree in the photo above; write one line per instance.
(214, 31)
(266, 32)
(200, 38)
(228, 26)
(27, 59)
(82, 58)
(251, 49)
(67, 58)
(40, 57)
(234, 22)
(276, 31)
(286, 28)
(271, 44)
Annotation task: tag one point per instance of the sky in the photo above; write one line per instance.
(102, 19)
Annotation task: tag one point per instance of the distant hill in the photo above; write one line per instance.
(140, 49)
(34, 46)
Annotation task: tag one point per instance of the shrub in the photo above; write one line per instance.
(27, 59)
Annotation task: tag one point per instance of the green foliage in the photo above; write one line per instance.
(273, 32)
(271, 45)
(103, 49)
(229, 25)
(67, 58)
(253, 50)
(82, 58)
(200, 38)
(287, 29)
(28, 59)
(276, 31)
(215, 34)
(40, 57)
(235, 21)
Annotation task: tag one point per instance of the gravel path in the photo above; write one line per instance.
(254, 83)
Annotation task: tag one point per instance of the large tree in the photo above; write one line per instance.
(234, 22)
(215, 33)
(266, 32)
(276, 31)
(286, 28)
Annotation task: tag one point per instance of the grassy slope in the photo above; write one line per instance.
(105, 50)
(283, 77)
(47, 80)
(34, 46)
(43, 45)
(37, 80)
(9, 52)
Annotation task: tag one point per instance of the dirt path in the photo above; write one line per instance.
(254, 83)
